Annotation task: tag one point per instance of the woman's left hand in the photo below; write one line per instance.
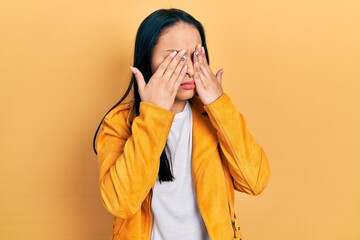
(208, 85)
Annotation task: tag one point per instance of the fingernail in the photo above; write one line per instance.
(133, 70)
(173, 54)
(182, 52)
(203, 50)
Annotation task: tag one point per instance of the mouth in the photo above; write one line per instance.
(188, 85)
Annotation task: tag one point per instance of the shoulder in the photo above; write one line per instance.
(123, 111)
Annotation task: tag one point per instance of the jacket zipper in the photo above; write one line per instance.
(233, 223)
(234, 227)
(150, 215)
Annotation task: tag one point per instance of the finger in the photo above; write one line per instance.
(163, 66)
(204, 63)
(200, 57)
(178, 69)
(219, 75)
(139, 78)
(197, 77)
(197, 52)
(201, 70)
(200, 54)
(180, 78)
(205, 70)
(172, 66)
(203, 74)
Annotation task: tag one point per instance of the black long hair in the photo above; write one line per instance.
(146, 38)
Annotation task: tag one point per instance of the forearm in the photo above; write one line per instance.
(245, 158)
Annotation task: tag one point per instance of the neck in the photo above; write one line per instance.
(178, 106)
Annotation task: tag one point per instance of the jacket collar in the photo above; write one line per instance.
(195, 102)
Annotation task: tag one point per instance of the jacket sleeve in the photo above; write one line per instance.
(129, 157)
(245, 158)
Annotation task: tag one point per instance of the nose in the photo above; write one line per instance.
(190, 67)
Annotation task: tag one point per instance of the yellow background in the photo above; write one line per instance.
(291, 67)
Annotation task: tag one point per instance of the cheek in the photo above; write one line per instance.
(155, 63)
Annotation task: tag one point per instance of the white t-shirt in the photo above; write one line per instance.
(174, 206)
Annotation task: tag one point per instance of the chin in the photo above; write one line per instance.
(183, 95)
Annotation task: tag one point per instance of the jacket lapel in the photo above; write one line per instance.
(204, 138)
(208, 175)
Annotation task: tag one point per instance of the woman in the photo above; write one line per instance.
(170, 160)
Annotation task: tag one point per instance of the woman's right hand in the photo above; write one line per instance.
(162, 87)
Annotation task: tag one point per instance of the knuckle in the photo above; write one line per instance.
(162, 67)
(171, 67)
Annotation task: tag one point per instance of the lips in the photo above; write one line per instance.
(188, 85)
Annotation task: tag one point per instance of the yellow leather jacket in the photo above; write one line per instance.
(225, 157)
